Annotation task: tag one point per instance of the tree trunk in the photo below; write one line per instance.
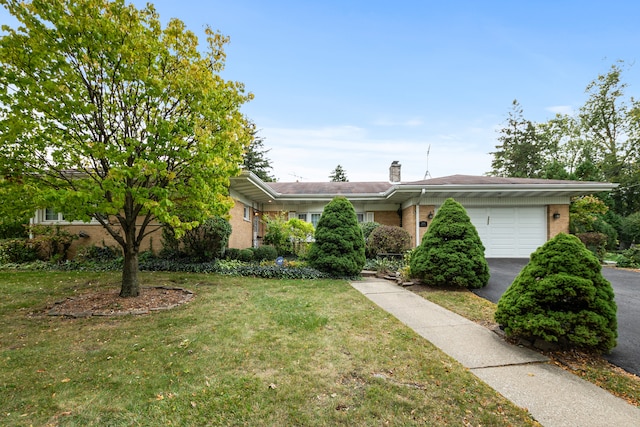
(130, 285)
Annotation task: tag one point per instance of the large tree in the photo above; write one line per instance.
(104, 114)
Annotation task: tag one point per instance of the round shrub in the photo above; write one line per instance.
(367, 228)
(246, 255)
(451, 252)
(265, 252)
(561, 297)
(339, 244)
(388, 239)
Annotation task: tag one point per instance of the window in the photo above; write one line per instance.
(50, 215)
(247, 213)
(315, 217)
(360, 217)
(302, 216)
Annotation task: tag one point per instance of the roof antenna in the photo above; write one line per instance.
(427, 174)
(297, 177)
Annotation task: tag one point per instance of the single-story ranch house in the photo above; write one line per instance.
(513, 216)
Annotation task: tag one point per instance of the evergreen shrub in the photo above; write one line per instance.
(451, 252)
(339, 244)
(561, 297)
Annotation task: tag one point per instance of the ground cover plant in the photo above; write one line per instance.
(243, 351)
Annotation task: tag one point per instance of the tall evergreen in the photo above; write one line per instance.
(451, 252)
(339, 247)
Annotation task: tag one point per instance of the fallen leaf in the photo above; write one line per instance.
(66, 380)
(272, 386)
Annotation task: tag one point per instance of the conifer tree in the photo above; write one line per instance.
(451, 252)
(561, 296)
(339, 244)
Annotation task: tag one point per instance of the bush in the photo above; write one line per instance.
(451, 252)
(277, 234)
(17, 251)
(246, 255)
(231, 254)
(595, 242)
(206, 242)
(52, 243)
(629, 258)
(98, 253)
(560, 296)
(388, 239)
(339, 245)
(367, 228)
(265, 252)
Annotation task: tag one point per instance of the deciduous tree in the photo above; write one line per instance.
(107, 115)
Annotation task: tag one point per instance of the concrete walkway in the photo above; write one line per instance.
(552, 396)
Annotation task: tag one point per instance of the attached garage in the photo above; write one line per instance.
(510, 232)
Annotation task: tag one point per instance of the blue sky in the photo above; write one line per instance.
(364, 83)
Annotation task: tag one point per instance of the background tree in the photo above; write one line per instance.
(107, 115)
(338, 175)
(339, 244)
(560, 296)
(521, 150)
(451, 252)
(255, 158)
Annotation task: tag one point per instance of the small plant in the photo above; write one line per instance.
(629, 258)
(561, 297)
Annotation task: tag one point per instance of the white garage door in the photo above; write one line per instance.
(510, 232)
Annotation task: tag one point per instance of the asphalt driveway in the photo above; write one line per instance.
(626, 286)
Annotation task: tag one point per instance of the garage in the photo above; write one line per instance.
(510, 232)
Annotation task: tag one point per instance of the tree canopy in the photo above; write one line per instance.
(600, 142)
(104, 114)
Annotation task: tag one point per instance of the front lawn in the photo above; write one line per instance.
(244, 351)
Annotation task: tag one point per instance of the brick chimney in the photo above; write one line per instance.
(394, 172)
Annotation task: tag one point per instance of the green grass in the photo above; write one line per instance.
(244, 351)
(590, 367)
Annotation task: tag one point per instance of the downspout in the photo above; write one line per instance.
(418, 217)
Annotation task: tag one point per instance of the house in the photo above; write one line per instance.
(513, 216)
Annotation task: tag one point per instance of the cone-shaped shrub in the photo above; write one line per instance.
(339, 244)
(560, 296)
(451, 252)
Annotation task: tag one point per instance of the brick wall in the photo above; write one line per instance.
(556, 226)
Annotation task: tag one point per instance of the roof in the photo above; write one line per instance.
(456, 186)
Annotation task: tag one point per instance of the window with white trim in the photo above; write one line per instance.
(246, 215)
(315, 217)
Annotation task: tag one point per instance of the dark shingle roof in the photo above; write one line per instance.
(336, 188)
